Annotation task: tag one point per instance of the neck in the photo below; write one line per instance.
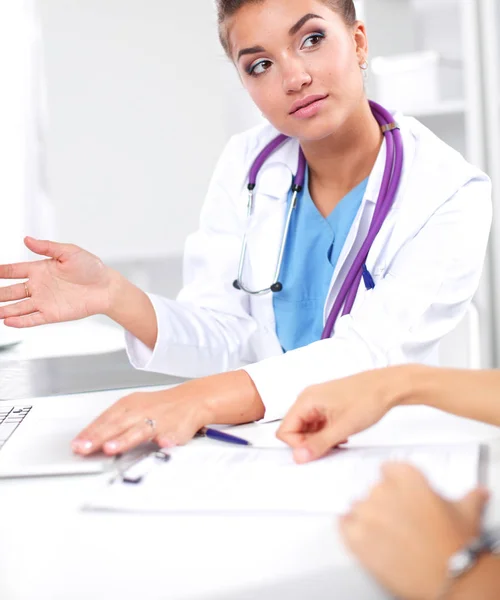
(344, 159)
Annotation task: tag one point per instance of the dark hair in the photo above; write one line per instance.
(227, 8)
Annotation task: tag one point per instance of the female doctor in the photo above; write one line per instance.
(363, 229)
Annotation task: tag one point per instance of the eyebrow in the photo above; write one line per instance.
(301, 22)
(293, 30)
(252, 50)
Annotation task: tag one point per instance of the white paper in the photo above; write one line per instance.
(250, 480)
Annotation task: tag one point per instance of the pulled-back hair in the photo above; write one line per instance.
(227, 8)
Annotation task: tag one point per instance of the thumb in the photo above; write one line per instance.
(472, 505)
(44, 247)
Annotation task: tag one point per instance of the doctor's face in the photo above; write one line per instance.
(300, 63)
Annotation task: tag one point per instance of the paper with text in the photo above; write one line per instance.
(249, 480)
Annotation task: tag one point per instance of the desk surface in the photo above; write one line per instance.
(51, 549)
(70, 358)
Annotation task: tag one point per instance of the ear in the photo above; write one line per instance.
(361, 41)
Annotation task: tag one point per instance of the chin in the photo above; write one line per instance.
(316, 130)
(312, 130)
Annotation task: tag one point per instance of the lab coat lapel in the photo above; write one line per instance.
(376, 261)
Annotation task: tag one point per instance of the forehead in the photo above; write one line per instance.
(259, 23)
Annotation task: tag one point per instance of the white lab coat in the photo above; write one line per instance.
(426, 263)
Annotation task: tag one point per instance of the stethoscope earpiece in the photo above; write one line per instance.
(276, 287)
(236, 284)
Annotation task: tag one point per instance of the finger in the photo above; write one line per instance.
(299, 421)
(45, 247)
(473, 504)
(13, 292)
(33, 320)
(352, 532)
(15, 271)
(317, 445)
(111, 424)
(136, 435)
(397, 470)
(26, 307)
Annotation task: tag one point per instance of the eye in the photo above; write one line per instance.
(313, 40)
(259, 67)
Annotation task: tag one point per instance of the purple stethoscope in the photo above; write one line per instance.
(358, 270)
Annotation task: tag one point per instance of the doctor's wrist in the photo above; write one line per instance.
(131, 308)
(231, 398)
(116, 289)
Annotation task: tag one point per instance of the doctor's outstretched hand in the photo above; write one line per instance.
(70, 284)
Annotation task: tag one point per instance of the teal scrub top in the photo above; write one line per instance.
(311, 253)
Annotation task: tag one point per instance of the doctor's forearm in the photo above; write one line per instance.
(231, 398)
(470, 394)
(131, 308)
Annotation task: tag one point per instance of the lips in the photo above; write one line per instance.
(299, 104)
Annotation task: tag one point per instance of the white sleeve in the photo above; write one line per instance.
(423, 295)
(208, 329)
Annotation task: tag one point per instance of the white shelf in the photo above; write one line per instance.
(447, 107)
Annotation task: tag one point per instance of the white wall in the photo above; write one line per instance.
(141, 102)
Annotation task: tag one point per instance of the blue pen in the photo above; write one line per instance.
(221, 436)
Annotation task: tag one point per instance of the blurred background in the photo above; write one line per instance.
(115, 112)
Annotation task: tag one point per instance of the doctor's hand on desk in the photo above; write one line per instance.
(172, 417)
(404, 534)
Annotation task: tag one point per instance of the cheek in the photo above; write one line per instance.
(265, 97)
(335, 74)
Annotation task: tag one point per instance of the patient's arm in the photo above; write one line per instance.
(483, 582)
(471, 394)
(325, 415)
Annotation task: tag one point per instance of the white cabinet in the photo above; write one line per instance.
(489, 30)
(438, 60)
(436, 44)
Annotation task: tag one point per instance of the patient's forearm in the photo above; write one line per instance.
(483, 582)
(471, 394)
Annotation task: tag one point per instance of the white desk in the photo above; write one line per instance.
(77, 338)
(51, 550)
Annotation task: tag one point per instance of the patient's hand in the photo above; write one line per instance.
(71, 284)
(404, 533)
(326, 414)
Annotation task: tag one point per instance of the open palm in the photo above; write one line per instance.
(71, 284)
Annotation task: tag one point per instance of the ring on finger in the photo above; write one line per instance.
(151, 423)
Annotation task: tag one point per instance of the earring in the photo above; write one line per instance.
(364, 66)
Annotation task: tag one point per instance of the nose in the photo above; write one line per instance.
(295, 77)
